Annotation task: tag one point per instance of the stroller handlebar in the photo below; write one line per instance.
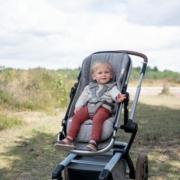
(135, 53)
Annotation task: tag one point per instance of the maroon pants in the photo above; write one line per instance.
(97, 121)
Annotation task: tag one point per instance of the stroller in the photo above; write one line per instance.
(112, 160)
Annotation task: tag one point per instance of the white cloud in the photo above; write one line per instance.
(154, 12)
(61, 33)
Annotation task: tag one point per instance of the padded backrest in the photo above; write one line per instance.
(120, 63)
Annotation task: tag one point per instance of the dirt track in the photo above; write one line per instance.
(155, 90)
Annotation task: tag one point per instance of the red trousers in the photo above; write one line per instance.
(97, 121)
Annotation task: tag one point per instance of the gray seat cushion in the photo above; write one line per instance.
(120, 63)
(85, 130)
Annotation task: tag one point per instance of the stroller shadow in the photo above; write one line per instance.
(32, 158)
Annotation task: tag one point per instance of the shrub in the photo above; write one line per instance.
(165, 90)
(5, 97)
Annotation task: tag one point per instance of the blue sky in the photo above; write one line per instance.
(61, 33)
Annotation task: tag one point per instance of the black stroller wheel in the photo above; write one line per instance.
(142, 167)
(66, 176)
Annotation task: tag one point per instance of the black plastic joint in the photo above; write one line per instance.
(104, 175)
(127, 96)
(73, 90)
(130, 126)
(143, 70)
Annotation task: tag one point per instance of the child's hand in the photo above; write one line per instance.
(120, 97)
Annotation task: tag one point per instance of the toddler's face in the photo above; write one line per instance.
(102, 74)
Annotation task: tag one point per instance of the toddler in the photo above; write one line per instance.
(96, 103)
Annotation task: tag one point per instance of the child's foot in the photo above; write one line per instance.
(92, 146)
(65, 144)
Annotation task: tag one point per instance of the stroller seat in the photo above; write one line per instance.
(84, 134)
(85, 130)
(121, 63)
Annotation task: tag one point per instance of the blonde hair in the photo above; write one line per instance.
(96, 66)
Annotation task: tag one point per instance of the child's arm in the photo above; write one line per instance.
(82, 100)
(116, 95)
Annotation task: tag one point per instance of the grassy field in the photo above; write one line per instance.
(27, 152)
(159, 135)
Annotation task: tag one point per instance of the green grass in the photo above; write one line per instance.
(35, 158)
(9, 122)
(30, 153)
(159, 136)
(153, 74)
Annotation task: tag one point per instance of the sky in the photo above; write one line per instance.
(61, 33)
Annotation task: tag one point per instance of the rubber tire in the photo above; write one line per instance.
(142, 167)
(66, 176)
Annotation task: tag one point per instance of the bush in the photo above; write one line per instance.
(35, 89)
(43, 89)
(165, 90)
(5, 97)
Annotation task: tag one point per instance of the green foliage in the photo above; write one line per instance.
(42, 89)
(155, 74)
(135, 73)
(7, 74)
(35, 89)
(9, 122)
(5, 97)
(7, 100)
(160, 75)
